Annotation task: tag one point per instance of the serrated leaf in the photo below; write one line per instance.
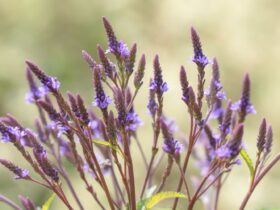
(48, 202)
(155, 199)
(248, 161)
(108, 144)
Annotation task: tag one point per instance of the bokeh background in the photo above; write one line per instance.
(243, 35)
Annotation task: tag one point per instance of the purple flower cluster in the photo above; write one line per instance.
(133, 121)
(157, 84)
(199, 58)
(170, 145)
(19, 172)
(244, 105)
(119, 48)
(101, 100)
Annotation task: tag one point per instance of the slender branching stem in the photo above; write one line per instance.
(130, 171)
(200, 186)
(257, 180)
(156, 128)
(184, 180)
(9, 202)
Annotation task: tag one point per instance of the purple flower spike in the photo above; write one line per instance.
(157, 83)
(184, 85)
(139, 74)
(35, 93)
(106, 63)
(199, 58)
(112, 40)
(170, 145)
(244, 106)
(130, 60)
(235, 143)
(262, 136)
(41, 157)
(19, 172)
(120, 106)
(50, 84)
(152, 105)
(27, 203)
(88, 59)
(268, 142)
(119, 48)
(101, 100)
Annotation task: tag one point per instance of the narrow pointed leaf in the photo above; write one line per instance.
(108, 144)
(248, 161)
(48, 202)
(155, 199)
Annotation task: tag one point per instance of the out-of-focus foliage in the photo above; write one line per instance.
(243, 35)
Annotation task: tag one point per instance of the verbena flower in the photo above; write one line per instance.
(9, 133)
(170, 145)
(244, 105)
(157, 84)
(101, 100)
(49, 84)
(199, 58)
(152, 104)
(133, 121)
(19, 172)
(41, 157)
(119, 48)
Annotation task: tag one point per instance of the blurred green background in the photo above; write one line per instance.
(243, 35)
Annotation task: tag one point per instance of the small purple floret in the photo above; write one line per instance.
(152, 106)
(249, 108)
(223, 152)
(102, 102)
(172, 147)
(121, 49)
(33, 95)
(23, 173)
(12, 131)
(133, 121)
(201, 60)
(162, 87)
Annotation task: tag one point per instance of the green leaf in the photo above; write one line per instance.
(48, 202)
(155, 199)
(108, 144)
(248, 161)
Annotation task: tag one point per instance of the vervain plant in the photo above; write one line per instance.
(99, 145)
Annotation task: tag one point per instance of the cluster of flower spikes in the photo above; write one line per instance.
(71, 122)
